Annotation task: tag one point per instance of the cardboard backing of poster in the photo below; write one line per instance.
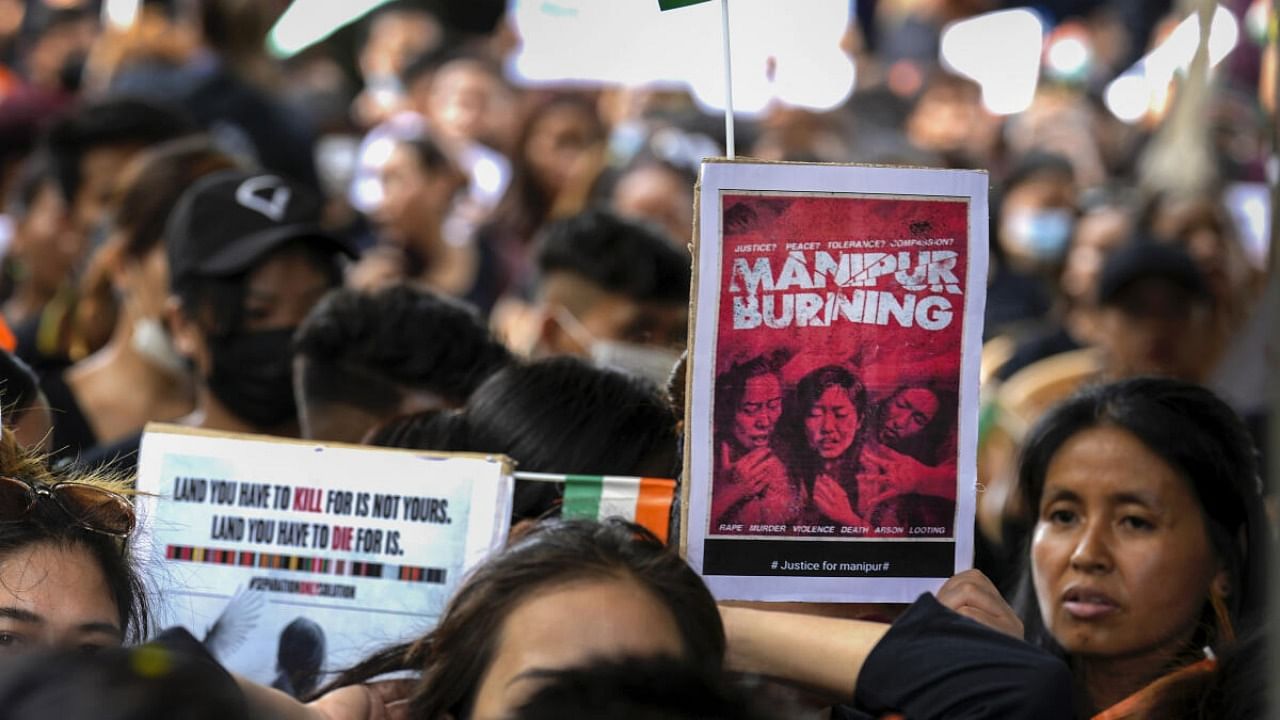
(292, 560)
(833, 380)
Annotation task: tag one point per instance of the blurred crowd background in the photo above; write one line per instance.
(1129, 155)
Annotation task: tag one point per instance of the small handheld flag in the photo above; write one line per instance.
(644, 501)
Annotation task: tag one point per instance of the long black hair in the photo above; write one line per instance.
(454, 656)
(558, 415)
(731, 385)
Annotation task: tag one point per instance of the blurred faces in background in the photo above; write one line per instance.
(1037, 214)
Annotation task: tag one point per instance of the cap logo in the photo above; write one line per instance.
(266, 194)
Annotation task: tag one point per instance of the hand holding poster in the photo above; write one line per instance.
(294, 559)
(833, 402)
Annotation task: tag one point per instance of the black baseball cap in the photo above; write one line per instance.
(225, 222)
(1145, 258)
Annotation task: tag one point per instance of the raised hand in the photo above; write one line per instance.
(385, 700)
(972, 595)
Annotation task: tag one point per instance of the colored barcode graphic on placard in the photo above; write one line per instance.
(298, 563)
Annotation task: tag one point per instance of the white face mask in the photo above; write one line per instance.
(152, 342)
(650, 362)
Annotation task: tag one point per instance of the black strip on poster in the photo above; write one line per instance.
(784, 558)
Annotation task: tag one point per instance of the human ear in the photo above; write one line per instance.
(552, 339)
(1220, 586)
(188, 338)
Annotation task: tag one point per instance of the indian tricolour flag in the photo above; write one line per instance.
(673, 4)
(644, 501)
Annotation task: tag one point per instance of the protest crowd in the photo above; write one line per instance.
(389, 239)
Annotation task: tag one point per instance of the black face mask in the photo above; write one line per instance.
(252, 375)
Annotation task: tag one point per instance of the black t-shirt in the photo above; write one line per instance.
(72, 433)
(936, 665)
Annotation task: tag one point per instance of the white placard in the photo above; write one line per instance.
(284, 555)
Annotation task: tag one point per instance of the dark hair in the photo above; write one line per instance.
(525, 206)
(676, 382)
(217, 302)
(1031, 166)
(162, 174)
(116, 121)
(150, 682)
(621, 256)
(21, 123)
(300, 657)
(1035, 164)
(563, 415)
(558, 415)
(47, 523)
(426, 63)
(454, 656)
(638, 689)
(18, 387)
(429, 155)
(1233, 688)
(648, 159)
(931, 444)
(731, 385)
(371, 349)
(791, 428)
(33, 176)
(1197, 435)
(442, 430)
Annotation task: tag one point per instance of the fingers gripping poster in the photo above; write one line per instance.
(293, 560)
(833, 401)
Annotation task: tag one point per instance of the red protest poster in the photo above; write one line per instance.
(831, 391)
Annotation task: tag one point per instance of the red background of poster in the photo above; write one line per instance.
(884, 358)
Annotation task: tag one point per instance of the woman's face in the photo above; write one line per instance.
(557, 144)
(412, 197)
(660, 196)
(1121, 560)
(55, 596)
(908, 412)
(832, 423)
(42, 242)
(566, 626)
(758, 412)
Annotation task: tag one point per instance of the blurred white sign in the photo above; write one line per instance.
(792, 56)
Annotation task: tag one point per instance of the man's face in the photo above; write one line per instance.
(1155, 327)
(99, 169)
(622, 319)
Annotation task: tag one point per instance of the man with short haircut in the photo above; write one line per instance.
(89, 148)
(614, 290)
(1155, 311)
(361, 359)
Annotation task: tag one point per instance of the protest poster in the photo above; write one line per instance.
(833, 381)
(291, 560)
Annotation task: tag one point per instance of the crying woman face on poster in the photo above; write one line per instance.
(758, 411)
(831, 422)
